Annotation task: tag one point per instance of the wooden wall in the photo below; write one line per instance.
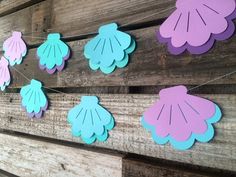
(46, 148)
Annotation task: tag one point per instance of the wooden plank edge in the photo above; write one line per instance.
(28, 157)
(19, 7)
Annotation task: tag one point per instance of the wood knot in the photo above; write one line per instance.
(10, 118)
(63, 166)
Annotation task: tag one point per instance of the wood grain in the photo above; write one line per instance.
(35, 18)
(128, 135)
(138, 168)
(76, 18)
(10, 6)
(36, 158)
(150, 65)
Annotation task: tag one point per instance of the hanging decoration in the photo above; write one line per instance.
(53, 53)
(5, 76)
(196, 24)
(180, 118)
(14, 48)
(34, 100)
(90, 120)
(109, 49)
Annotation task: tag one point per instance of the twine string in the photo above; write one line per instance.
(215, 79)
(28, 79)
(193, 88)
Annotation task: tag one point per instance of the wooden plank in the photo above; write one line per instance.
(150, 65)
(138, 168)
(10, 6)
(128, 135)
(35, 19)
(80, 17)
(26, 157)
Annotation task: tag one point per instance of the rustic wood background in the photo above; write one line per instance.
(46, 148)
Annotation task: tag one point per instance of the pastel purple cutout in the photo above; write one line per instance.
(205, 47)
(4, 77)
(178, 114)
(14, 48)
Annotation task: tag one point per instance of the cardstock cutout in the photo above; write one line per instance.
(90, 120)
(14, 48)
(52, 54)
(34, 100)
(5, 76)
(109, 49)
(180, 118)
(196, 24)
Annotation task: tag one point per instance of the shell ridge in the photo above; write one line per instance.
(93, 122)
(181, 120)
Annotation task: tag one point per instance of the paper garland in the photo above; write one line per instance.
(109, 49)
(53, 53)
(196, 24)
(14, 48)
(180, 118)
(90, 120)
(34, 100)
(5, 77)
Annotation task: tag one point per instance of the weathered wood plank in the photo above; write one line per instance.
(128, 135)
(35, 18)
(10, 6)
(150, 65)
(138, 168)
(80, 17)
(26, 157)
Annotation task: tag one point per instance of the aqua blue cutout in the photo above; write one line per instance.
(90, 120)
(207, 136)
(33, 98)
(109, 49)
(53, 52)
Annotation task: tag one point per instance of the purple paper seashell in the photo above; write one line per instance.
(211, 20)
(14, 48)
(181, 118)
(5, 76)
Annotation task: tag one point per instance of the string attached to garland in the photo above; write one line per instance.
(191, 108)
(95, 126)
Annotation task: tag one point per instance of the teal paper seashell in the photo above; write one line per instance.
(109, 49)
(53, 53)
(90, 120)
(33, 99)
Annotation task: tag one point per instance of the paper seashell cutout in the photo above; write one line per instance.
(196, 24)
(14, 48)
(90, 120)
(34, 100)
(181, 118)
(109, 49)
(53, 53)
(5, 77)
